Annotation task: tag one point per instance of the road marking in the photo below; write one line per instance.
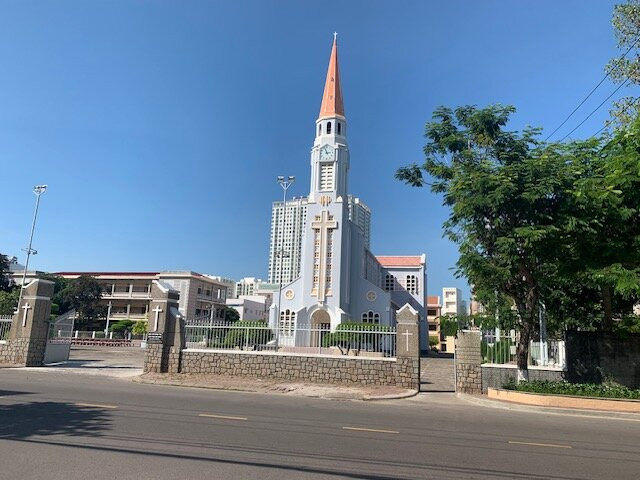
(375, 430)
(552, 445)
(94, 405)
(223, 417)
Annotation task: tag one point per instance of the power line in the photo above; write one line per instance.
(588, 95)
(596, 109)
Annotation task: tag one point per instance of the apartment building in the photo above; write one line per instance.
(249, 307)
(246, 286)
(127, 295)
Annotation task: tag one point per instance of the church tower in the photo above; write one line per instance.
(330, 154)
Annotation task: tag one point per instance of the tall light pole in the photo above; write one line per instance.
(285, 184)
(38, 190)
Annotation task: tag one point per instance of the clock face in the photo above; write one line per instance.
(326, 153)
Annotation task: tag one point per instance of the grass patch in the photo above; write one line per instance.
(578, 389)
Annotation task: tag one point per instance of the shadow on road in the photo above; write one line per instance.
(24, 420)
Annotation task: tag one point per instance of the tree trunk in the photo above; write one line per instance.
(522, 352)
(607, 321)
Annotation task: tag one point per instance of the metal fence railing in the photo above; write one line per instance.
(365, 340)
(217, 334)
(501, 349)
(5, 326)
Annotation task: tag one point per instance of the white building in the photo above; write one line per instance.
(295, 223)
(246, 286)
(339, 280)
(452, 302)
(249, 307)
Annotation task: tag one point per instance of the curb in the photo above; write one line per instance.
(482, 401)
(366, 398)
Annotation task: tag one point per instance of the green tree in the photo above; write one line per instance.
(231, 314)
(59, 304)
(6, 282)
(84, 294)
(626, 66)
(9, 301)
(139, 328)
(508, 202)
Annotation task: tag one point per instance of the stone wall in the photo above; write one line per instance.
(495, 376)
(403, 372)
(30, 327)
(595, 357)
(468, 359)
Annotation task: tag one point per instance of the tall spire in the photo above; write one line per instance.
(332, 98)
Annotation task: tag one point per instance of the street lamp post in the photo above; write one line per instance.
(285, 184)
(38, 190)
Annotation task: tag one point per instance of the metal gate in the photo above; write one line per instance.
(59, 338)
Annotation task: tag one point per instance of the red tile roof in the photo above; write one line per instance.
(98, 274)
(400, 261)
(433, 300)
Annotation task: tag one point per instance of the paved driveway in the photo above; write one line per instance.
(110, 361)
(437, 374)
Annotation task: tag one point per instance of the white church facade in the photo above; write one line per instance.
(339, 279)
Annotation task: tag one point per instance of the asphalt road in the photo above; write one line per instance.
(65, 425)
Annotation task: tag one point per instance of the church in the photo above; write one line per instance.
(339, 279)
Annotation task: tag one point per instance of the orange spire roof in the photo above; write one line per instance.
(332, 98)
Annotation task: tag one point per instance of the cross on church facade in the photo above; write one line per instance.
(323, 226)
(157, 311)
(406, 335)
(26, 308)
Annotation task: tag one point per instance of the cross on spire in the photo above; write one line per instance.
(332, 104)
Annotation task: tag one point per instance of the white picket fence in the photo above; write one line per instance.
(501, 349)
(5, 326)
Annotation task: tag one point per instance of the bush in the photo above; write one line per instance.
(121, 326)
(356, 336)
(433, 341)
(579, 389)
(248, 334)
(139, 328)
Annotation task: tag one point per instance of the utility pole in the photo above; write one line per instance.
(38, 190)
(285, 184)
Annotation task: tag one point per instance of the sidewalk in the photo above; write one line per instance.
(257, 385)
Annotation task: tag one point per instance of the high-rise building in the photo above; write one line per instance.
(295, 222)
(246, 286)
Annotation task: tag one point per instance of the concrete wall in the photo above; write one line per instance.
(595, 357)
(403, 372)
(495, 376)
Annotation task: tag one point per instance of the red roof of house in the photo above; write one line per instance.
(433, 300)
(400, 261)
(98, 274)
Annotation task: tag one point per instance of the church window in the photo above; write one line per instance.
(326, 176)
(319, 129)
(389, 282)
(328, 128)
(412, 284)
(287, 321)
(339, 128)
(371, 317)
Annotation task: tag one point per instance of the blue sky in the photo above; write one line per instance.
(160, 126)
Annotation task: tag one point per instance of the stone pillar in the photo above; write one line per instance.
(408, 347)
(468, 359)
(165, 338)
(30, 326)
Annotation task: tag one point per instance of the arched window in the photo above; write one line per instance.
(389, 282)
(328, 128)
(370, 317)
(339, 125)
(319, 129)
(412, 284)
(287, 321)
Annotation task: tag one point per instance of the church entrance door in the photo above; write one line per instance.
(320, 327)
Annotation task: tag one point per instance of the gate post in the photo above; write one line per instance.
(165, 337)
(29, 327)
(408, 346)
(468, 358)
